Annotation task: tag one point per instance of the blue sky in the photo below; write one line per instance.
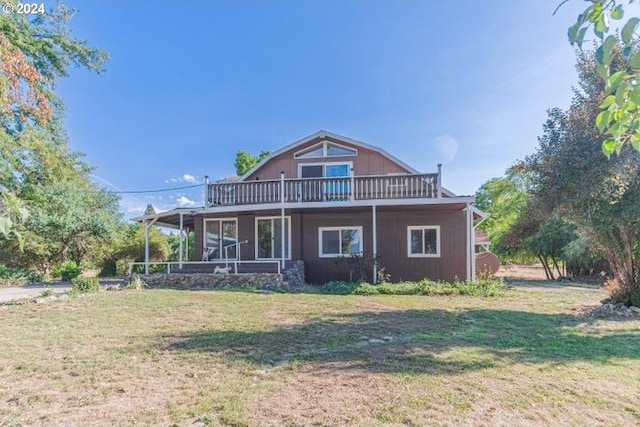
(189, 83)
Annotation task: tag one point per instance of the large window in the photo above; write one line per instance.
(269, 238)
(423, 241)
(340, 241)
(325, 149)
(220, 239)
(336, 186)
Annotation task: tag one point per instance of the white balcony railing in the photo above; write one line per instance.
(370, 187)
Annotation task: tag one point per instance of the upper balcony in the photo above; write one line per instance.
(304, 190)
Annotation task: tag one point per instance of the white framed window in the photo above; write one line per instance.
(220, 239)
(269, 237)
(423, 241)
(325, 169)
(339, 241)
(325, 149)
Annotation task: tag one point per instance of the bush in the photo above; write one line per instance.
(68, 271)
(620, 293)
(10, 276)
(483, 287)
(83, 285)
(136, 283)
(337, 287)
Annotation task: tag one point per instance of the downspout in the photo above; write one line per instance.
(469, 247)
(282, 234)
(375, 244)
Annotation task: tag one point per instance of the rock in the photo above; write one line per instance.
(63, 297)
(388, 338)
(607, 300)
(635, 309)
(375, 341)
(362, 343)
(264, 291)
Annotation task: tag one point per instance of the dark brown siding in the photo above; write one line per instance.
(392, 242)
(319, 270)
(367, 162)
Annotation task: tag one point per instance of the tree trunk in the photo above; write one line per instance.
(545, 265)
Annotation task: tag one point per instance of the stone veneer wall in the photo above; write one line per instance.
(197, 281)
(294, 274)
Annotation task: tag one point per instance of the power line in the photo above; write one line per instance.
(156, 191)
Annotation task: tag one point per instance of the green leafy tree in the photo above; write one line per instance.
(619, 117)
(245, 161)
(503, 199)
(601, 199)
(68, 220)
(35, 50)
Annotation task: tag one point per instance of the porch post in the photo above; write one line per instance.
(206, 191)
(181, 238)
(186, 243)
(469, 248)
(375, 244)
(439, 180)
(146, 247)
(282, 242)
(473, 245)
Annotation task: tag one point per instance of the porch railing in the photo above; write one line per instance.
(370, 187)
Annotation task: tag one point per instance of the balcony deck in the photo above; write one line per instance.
(303, 190)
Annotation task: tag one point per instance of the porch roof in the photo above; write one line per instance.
(171, 219)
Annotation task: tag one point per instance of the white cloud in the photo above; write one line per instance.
(190, 179)
(187, 177)
(184, 201)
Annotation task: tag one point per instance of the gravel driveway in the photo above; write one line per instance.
(34, 290)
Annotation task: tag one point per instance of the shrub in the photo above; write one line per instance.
(68, 270)
(11, 276)
(136, 283)
(620, 293)
(484, 287)
(83, 285)
(337, 287)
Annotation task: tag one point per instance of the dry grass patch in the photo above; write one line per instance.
(231, 358)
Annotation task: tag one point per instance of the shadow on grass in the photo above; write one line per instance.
(420, 341)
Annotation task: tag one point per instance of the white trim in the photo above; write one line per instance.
(321, 254)
(204, 236)
(470, 249)
(272, 218)
(325, 150)
(422, 228)
(324, 165)
(337, 204)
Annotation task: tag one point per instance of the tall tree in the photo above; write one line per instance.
(245, 161)
(602, 199)
(69, 213)
(503, 199)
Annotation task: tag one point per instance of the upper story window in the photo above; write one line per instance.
(325, 149)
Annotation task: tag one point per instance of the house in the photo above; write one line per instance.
(345, 208)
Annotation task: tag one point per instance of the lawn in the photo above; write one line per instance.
(531, 357)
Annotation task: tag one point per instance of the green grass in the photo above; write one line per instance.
(233, 358)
